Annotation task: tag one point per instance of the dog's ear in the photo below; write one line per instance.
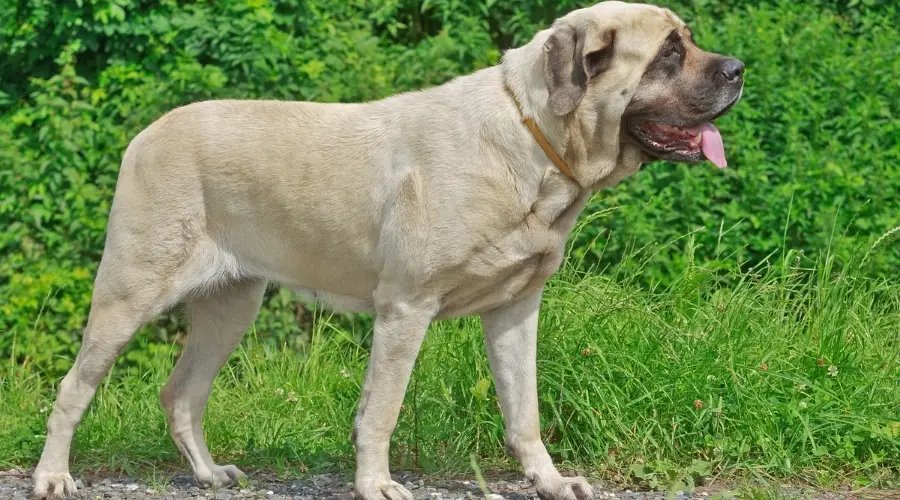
(572, 57)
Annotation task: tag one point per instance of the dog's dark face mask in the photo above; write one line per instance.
(681, 91)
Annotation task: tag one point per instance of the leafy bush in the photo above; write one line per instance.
(813, 146)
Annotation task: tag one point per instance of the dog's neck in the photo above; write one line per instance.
(542, 141)
(569, 136)
(523, 75)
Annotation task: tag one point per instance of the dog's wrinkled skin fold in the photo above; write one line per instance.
(425, 205)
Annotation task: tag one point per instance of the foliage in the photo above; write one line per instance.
(814, 149)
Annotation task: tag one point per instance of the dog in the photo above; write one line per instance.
(446, 202)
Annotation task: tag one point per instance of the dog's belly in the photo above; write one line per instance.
(342, 303)
(489, 279)
(344, 284)
(299, 247)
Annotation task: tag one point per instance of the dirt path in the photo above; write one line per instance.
(16, 485)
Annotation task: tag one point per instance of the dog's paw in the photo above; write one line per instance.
(53, 486)
(221, 476)
(383, 491)
(565, 488)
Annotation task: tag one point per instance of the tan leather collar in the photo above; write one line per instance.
(542, 140)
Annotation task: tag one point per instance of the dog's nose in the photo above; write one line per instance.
(732, 69)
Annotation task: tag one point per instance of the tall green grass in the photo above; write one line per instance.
(788, 370)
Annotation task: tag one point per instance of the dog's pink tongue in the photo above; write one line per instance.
(712, 145)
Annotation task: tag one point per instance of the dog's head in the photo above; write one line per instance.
(637, 66)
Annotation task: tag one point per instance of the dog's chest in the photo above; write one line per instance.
(514, 263)
(504, 271)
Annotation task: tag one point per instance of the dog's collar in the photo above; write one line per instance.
(542, 140)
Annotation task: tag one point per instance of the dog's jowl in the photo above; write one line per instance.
(447, 202)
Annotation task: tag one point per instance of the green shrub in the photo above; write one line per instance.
(813, 146)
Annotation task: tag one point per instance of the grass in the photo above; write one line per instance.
(785, 371)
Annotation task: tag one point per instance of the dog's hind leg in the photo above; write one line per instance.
(124, 299)
(217, 321)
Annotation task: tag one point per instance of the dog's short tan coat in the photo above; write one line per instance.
(429, 204)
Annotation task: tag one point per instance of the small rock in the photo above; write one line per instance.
(79, 484)
(270, 492)
(131, 487)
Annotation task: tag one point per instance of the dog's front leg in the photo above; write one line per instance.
(511, 338)
(399, 331)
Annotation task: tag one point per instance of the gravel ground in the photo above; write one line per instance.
(16, 485)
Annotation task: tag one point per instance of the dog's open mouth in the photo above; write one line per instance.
(687, 144)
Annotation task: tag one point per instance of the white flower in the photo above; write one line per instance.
(803, 405)
(832, 371)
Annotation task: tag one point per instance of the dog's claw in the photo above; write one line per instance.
(389, 491)
(222, 476)
(566, 488)
(53, 486)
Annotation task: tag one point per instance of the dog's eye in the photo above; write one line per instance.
(672, 49)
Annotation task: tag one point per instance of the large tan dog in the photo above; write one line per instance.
(431, 204)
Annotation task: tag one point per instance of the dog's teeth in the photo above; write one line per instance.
(699, 137)
(672, 129)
